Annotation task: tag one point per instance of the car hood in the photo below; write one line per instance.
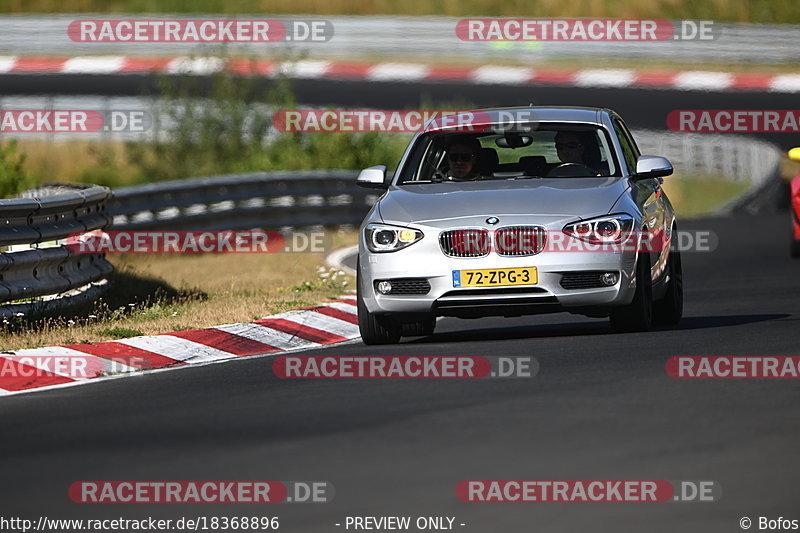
(556, 197)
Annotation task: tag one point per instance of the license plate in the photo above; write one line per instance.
(495, 277)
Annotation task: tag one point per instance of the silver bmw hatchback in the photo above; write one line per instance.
(518, 211)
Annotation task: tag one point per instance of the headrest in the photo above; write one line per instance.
(533, 165)
(487, 160)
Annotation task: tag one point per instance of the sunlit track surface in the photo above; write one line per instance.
(641, 108)
(602, 407)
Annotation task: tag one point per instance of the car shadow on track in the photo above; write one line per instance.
(599, 327)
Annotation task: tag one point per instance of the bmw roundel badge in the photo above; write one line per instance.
(492, 220)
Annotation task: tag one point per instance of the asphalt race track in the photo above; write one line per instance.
(602, 407)
(641, 108)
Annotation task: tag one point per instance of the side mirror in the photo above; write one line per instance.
(652, 166)
(372, 177)
(794, 154)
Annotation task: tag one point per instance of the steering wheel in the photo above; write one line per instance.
(571, 170)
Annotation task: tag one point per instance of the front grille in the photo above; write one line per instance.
(408, 286)
(465, 242)
(517, 241)
(582, 280)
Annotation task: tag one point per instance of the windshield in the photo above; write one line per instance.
(548, 151)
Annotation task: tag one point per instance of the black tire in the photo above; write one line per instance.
(637, 315)
(375, 329)
(419, 328)
(669, 309)
(795, 249)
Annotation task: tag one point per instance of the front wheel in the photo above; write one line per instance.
(637, 315)
(669, 309)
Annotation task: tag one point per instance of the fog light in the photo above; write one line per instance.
(384, 287)
(609, 278)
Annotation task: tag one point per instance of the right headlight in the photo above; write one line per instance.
(602, 230)
(385, 238)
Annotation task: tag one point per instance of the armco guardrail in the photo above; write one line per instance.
(734, 157)
(244, 201)
(34, 261)
(402, 37)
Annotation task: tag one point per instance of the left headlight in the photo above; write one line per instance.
(384, 238)
(602, 230)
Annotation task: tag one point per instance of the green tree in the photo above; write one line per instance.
(13, 177)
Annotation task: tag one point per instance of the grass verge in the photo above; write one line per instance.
(153, 294)
(789, 168)
(698, 196)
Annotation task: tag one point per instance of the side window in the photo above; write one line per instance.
(424, 160)
(629, 149)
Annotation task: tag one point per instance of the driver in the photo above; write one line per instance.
(580, 148)
(570, 147)
(462, 154)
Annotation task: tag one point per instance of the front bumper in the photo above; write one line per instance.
(425, 260)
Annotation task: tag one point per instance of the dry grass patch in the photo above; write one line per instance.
(78, 161)
(153, 294)
(789, 168)
(698, 195)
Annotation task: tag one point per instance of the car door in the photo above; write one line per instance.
(648, 196)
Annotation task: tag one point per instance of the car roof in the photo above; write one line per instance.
(501, 115)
